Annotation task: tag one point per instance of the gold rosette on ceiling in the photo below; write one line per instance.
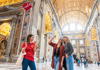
(48, 25)
(9, 2)
(73, 11)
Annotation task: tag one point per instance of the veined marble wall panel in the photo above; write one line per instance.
(42, 46)
(48, 50)
(82, 50)
(34, 32)
(88, 53)
(39, 21)
(93, 51)
(75, 51)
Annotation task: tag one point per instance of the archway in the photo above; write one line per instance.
(5, 29)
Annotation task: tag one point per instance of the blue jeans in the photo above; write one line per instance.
(56, 63)
(25, 64)
(70, 63)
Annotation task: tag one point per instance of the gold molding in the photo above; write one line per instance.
(9, 2)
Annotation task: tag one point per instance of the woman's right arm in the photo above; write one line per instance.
(23, 50)
(51, 43)
(23, 47)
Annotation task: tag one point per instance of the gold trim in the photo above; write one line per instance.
(13, 3)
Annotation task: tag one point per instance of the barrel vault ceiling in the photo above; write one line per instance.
(73, 11)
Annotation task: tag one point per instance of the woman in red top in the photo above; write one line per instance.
(58, 54)
(30, 51)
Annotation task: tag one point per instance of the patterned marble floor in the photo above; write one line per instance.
(45, 66)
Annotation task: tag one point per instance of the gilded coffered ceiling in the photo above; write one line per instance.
(73, 11)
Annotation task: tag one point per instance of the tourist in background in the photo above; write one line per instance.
(85, 62)
(78, 62)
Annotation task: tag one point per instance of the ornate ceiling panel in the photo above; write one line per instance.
(70, 11)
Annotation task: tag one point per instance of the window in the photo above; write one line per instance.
(73, 42)
(65, 28)
(73, 28)
(81, 42)
(75, 50)
(79, 27)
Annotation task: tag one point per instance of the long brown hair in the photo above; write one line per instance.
(67, 39)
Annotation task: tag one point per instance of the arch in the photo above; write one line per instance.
(5, 42)
(71, 11)
(5, 29)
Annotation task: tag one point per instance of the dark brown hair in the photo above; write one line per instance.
(28, 37)
(61, 41)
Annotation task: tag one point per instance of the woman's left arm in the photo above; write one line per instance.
(71, 49)
(62, 56)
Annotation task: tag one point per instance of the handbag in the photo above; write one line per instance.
(20, 58)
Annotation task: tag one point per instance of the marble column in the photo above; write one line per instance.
(42, 42)
(85, 47)
(34, 20)
(99, 34)
(18, 34)
(48, 50)
(45, 46)
(87, 54)
(91, 52)
(21, 29)
(35, 13)
(78, 48)
(94, 51)
(97, 23)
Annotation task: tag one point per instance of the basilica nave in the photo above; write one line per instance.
(79, 20)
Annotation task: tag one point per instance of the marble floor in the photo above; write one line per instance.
(45, 66)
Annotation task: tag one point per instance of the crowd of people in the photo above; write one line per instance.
(61, 58)
(81, 61)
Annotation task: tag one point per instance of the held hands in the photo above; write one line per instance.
(66, 55)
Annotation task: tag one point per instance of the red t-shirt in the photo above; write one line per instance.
(29, 51)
